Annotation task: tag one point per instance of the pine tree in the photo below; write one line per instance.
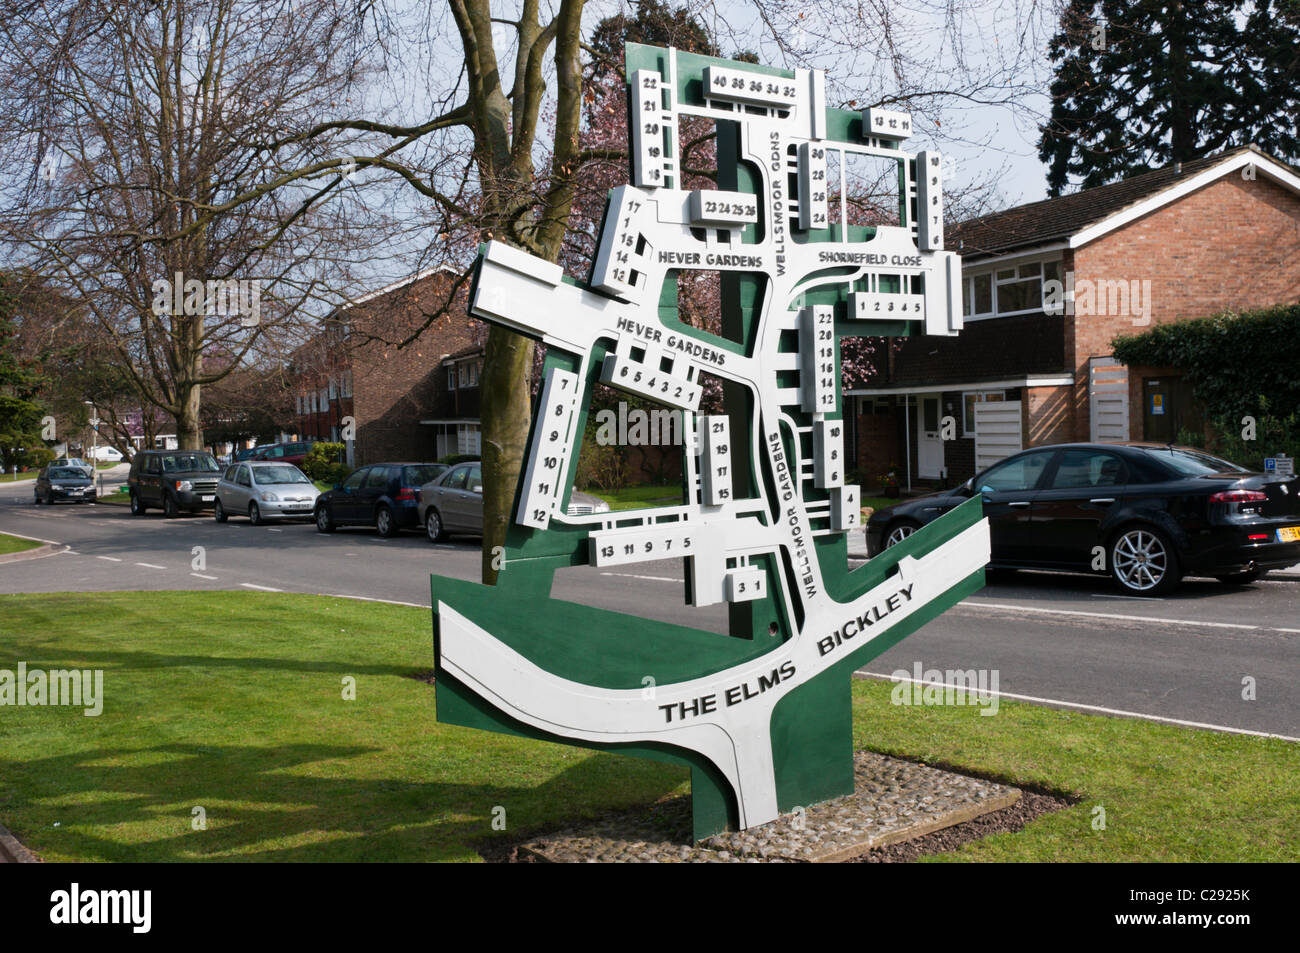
(1143, 83)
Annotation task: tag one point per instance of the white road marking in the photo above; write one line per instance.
(391, 602)
(150, 566)
(249, 585)
(1107, 595)
(271, 530)
(201, 576)
(111, 559)
(37, 539)
(1097, 708)
(629, 575)
(1107, 615)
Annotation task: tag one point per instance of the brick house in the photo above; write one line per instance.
(1049, 285)
(376, 362)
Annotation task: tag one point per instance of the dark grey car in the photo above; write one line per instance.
(71, 483)
(172, 481)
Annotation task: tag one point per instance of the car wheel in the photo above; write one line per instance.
(385, 522)
(219, 512)
(38, 499)
(1242, 578)
(324, 522)
(900, 531)
(255, 514)
(170, 509)
(1143, 561)
(433, 526)
(137, 506)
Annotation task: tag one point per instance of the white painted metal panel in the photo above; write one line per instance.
(998, 431)
(1107, 400)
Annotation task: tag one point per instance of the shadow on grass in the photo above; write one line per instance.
(123, 659)
(266, 804)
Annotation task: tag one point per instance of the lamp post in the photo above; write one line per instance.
(94, 447)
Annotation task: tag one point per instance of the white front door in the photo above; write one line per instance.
(929, 444)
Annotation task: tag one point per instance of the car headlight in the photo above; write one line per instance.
(184, 485)
(269, 497)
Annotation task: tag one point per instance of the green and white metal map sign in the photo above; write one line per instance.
(762, 715)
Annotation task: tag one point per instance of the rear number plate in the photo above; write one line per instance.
(1289, 534)
(206, 499)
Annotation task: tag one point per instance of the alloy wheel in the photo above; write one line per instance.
(1140, 560)
(898, 534)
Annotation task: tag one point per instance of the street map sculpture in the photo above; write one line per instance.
(762, 716)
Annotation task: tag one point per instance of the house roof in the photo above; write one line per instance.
(1086, 213)
(474, 350)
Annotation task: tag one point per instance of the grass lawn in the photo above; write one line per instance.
(19, 477)
(233, 702)
(636, 497)
(16, 544)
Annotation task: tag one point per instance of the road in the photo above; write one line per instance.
(1065, 639)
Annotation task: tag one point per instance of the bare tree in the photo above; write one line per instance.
(148, 193)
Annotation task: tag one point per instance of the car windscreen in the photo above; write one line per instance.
(1192, 463)
(280, 474)
(419, 476)
(67, 473)
(190, 462)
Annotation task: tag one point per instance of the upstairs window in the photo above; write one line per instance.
(1017, 289)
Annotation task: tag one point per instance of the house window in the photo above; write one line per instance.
(969, 400)
(324, 398)
(347, 384)
(979, 296)
(468, 439)
(1014, 290)
(333, 388)
(469, 374)
(451, 377)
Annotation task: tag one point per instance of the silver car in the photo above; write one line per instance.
(264, 491)
(453, 503)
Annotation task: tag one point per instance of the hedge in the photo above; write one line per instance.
(1237, 364)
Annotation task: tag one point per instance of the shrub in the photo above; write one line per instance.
(321, 460)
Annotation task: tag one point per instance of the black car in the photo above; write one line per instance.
(55, 483)
(1147, 514)
(173, 480)
(383, 495)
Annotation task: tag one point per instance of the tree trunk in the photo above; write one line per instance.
(505, 412)
(189, 432)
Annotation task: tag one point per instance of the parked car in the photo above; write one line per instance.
(382, 495)
(1154, 513)
(453, 503)
(107, 454)
(264, 491)
(55, 483)
(293, 453)
(246, 453)
(584, 504)
(172, 480)
(77, 462)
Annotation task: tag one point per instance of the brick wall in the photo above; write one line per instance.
(1047, 415)
(1232, 244)
(395, 387)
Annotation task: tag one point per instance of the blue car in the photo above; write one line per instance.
(383, 495)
